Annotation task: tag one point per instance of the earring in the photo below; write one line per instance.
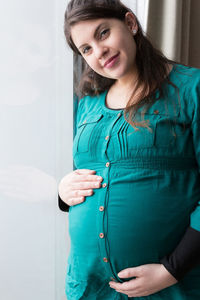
(134, 31)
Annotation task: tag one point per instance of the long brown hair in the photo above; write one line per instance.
(151, 63)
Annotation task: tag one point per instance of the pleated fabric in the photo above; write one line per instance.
(150, 191)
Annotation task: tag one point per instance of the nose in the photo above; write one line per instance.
(100, 51)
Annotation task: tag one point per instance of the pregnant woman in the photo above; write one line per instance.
(134, 198)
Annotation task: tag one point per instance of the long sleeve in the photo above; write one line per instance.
(187, 253)
(62, 205)
(185, 256)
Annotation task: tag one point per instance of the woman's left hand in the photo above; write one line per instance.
(150, 278)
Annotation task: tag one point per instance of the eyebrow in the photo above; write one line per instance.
(96, 32)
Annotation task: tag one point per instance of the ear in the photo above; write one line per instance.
(131, 22)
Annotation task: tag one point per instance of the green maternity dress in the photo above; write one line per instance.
(150, 191)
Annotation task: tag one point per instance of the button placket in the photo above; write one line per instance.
(101, 208)
(108, 135)
(102, 205)
(101, 213)
(105, 259)
(108, 164)
(101, 231)
(101, 235)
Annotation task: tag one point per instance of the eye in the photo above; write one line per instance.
(104, 32)
(85, 50)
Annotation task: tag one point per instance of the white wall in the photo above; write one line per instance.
(36, 141)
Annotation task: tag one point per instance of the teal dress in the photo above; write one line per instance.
(150, 191)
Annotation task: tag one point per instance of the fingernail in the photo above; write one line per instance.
(111, 285)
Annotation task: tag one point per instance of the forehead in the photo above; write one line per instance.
(83, 31)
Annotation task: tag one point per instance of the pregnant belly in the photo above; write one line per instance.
(140, 224)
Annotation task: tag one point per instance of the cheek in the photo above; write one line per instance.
(130, 51)
(95, 66)
(91, 62)
(127, 44)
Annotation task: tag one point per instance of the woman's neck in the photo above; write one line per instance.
(122, 90)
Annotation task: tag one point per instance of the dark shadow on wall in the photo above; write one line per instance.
(194, 50)
(77, 71)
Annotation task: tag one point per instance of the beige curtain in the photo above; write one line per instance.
(174, 27)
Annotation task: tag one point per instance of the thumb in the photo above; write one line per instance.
(129, 272)
(84, 171)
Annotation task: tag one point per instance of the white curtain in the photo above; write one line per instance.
(36, 141)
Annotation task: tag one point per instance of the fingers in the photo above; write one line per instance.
(125, 286)
(85, 185)
(86, 177)
(79, 193)
(129, 288)
(75, 201)
(84, 171)
(77, 185)
(83, 179)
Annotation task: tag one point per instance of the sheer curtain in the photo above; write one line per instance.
(36, 138)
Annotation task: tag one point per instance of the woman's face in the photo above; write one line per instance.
(100, 40)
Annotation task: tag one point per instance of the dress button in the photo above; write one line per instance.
(107, 164)
(111, 278)
(101, 235)
(84, 121)
(101, 208)
(107, 137)
(119, 114)
(104, 185)
(156, 112)
(105, 259)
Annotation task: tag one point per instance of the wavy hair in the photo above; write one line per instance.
(151, 63)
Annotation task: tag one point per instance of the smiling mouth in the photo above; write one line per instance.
(111, 61)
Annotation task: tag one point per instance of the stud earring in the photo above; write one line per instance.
(134, 31)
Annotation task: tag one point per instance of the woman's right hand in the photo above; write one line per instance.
(75, 186)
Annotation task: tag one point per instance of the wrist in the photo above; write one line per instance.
(167, 276)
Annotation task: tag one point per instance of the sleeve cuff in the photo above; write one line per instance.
(62, 205)
(185, 256)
